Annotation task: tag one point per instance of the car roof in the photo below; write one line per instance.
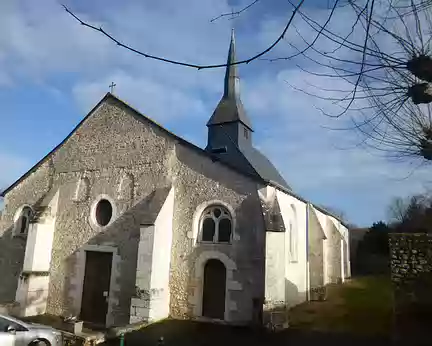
(15, 320)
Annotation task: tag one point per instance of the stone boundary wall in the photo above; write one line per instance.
(411, 265)
(411, 275)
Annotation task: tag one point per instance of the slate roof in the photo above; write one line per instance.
(228, 111)
(264, 168)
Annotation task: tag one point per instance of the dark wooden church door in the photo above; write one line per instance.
(213, 304)
(94, 303)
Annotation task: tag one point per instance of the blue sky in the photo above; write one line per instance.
(53, 71)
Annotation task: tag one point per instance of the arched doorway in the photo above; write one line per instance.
(214, 287)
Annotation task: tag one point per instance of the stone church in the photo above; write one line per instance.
(125, 221)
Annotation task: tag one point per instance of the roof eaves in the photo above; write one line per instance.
(291, 193)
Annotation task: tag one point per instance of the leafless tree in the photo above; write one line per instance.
(340, 214)
(397, 210)
(411, 214)
(384, 62)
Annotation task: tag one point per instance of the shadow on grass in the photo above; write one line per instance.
(360, 312)
(362, 306)
(187, 333)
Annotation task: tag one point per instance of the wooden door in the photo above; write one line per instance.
(94, 303)
(214, 289)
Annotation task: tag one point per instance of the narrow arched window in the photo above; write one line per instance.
(216, 225)
(23, 221)
(293, 235)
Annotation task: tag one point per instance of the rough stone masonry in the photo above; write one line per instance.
(411, 269)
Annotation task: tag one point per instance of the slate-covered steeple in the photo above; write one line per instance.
(232, 81)
(230, 130)
(230, 108)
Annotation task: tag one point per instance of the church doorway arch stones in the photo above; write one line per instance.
(230, 285)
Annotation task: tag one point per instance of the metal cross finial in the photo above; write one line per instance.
(233, 14)
(233, 18)
(112, 85)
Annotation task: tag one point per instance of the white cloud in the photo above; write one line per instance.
(40, 41)
(152, 98)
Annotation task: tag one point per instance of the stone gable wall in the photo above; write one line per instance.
(108, 146)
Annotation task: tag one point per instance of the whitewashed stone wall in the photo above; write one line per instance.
(294, 212)
(286, 258)
(152, 299)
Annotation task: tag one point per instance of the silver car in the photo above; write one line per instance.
(14, 332)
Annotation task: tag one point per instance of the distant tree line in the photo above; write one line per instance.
(406, 215)
(413, 214)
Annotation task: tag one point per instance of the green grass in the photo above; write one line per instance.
(362, 305)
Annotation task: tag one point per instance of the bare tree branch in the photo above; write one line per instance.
(383, 60)
(186, 64)
(235, 13)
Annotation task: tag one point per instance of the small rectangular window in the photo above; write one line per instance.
(246, 133)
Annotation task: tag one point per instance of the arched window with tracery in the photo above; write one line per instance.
(216, 225)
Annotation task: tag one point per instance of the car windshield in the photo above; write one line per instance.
(5, 323)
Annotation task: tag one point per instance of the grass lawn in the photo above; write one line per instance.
(362, 306)
(356, 313)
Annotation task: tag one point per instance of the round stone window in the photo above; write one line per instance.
(104, 212)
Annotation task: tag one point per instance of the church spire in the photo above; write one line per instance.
(230, 108)
(232, 81)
